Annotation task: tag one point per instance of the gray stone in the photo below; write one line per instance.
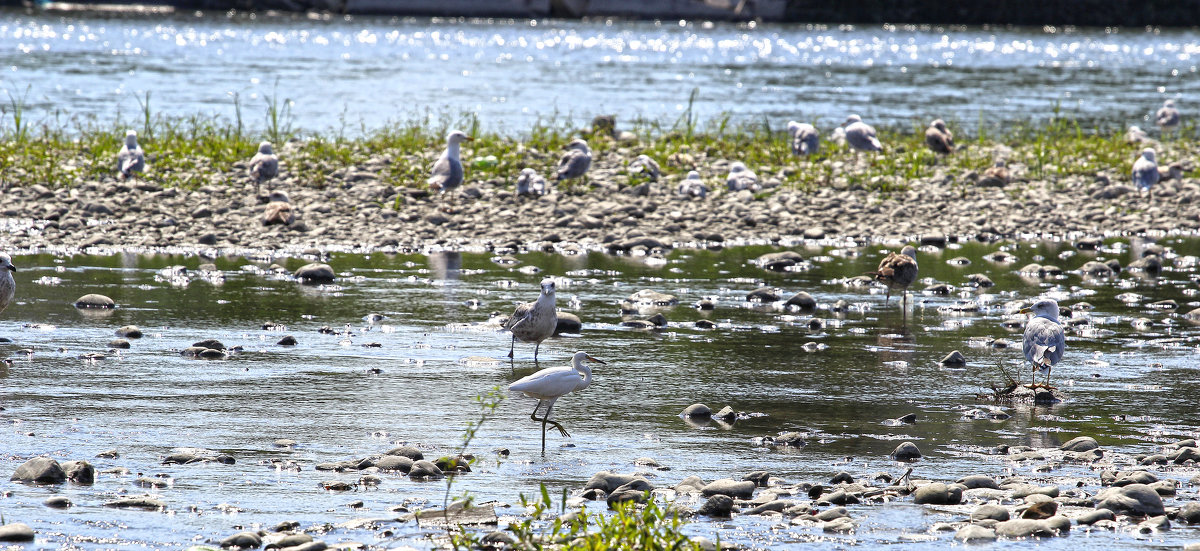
(955, 358)
(407, 451)
(119, 343)
(425, 470)
(779, 262)
(129, 332)
(690, 485)
(79, 472)
(906, 451)
(699, 411)
(720, 506)
(974, 532)
(243, 540)
(1080, 444)
(990, 511)
(937, 493)
(727, 486)
(144, 503)
(315, 272)
(625, 496)
(1190, 513)
(394, 463)
(764, 294)
(16, 532)
(40, 470)
(978, 481)
(833, 513)
(57, 502)
(568, 323)
(773, 506)
(1024, 528)
(608, 481)
(1092, 517)
(94, 301)
(1136, 499)
(802, 300)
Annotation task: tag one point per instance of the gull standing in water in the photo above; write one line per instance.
(8, 285)
(1167, 117)
(447, 173)
(805, 139)
(264, 166)
(897, 271)
(1145, 172)
(939, 138)
(550, 384)
(575, 162)
(1045, 341)
(860, 135)
(131, 159)
(534, 321)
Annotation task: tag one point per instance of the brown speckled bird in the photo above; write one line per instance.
(897, 271)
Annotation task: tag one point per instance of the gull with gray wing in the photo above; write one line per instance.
(1044, 341)
(131, 159)
(447, 173)
(534, 321)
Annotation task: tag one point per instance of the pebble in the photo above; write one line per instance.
(95, 301)
(1137, 499)
(16, 532)
(730, 487)
(906, 451)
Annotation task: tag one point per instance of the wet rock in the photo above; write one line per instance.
(57, 502)
(129, 332)
(648, 299)
(119, 343)
(1109, 478)
(1024, 528)
(287, 340)
(243, 540)
(407, 451)
(773, 506)
(625, 496)
(211, 344)
(764, 294)
(981, 280)
(1096, 269)
(730, 487)
(906, 451)
(1135, 499)
(315, 272)
(457, 464)
(832, 513)
(726, 414)
(841, 525)
(838, 497)
(608, 481)
(697, 411)
(1092, 517)
(842, 478)
(1089, 243)
(802, 300)
(1020, 491)
(975, 533)
(717, 506)
(978, 481)
(1190, 513)
(779, 262)
(705, 324)
(990, 511)
(1151, 264)
(1041, 510)
(1183, 455)
(1080, 444)
(398, 463)
(79, 472)
(291, 540)
(568, 323)
(907, 419)
(16, 532)
(690, 485)
(954, 358)
(40, 470)
(143, 503)
(937, 493)
(94, 301)
(425, 470)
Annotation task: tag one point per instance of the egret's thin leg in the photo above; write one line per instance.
(511, 344)
(546, 419)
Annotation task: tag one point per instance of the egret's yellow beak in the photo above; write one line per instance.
(596, 360)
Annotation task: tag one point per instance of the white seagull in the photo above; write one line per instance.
(805, 139)
(1044, 339)
(131, 159)
(447, 173)
(860, 135)
(534, 321)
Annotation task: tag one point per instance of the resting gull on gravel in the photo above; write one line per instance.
(741, 178)
(939, 138)
(529, 182)
(131, 159)
(645, 166)
(692, 186)
(860, 135)
(804, 136)
(264, 165)
(447, 172)
(1167, 117)
(575, 162)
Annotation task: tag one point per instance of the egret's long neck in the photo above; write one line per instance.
(587, 375)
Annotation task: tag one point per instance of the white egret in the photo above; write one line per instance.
(550, 384)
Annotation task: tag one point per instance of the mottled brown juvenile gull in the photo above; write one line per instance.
(1135, 134)
(534, 321)
(939, 138)
(552, 383)
(741, 178)
(804, 137)
(1167, 117)
(692, 186)
(264, 165)
(645, 166)
(1045, 341)
(447, 173)
(860, 135)
(996, 175)
(575, 162)
(897, 271)
(1173, 171)
(131, 159)
(1145, 172)
(529, 182)
(8, 285)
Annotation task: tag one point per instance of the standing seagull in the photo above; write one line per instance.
(529, 182)
(939, 138)
(1145, 172)
(550, 384)
(447, 172)
(805, 139)
(131, 159)
(1167, 117)
(8, 286)
(1044, 339)
(264, 165)
(575, 162)
(897, 271)
(860, 135)
(534, 321)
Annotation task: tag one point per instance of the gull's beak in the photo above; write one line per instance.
(595, 360)
(1025, 311)
(469, 139)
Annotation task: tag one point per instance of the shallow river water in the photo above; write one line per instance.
(346, 74)
(1131, 388)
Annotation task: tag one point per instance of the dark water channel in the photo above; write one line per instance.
(1131, 388)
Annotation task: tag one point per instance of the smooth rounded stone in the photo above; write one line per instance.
(937, 493)
(1183, 455)
(720, 506)
(212, 344)
(407, 451)
(144, 503)
(40, 470)
(975, 532)
(1154, 524)
(990, 511)
(954, 358)
(1137, 499)
(1166, 487)
(1089, 243)
(284, 443)
(842, 478)
(802, 300)
(638, 484)
(907, 419)
(690, 485)
(1040, 510)
(57, 502)
(779, 262)
(840, 525)
(833, 513)
(1193, 315)
(981, 280)
(1022, 491)
(16, 532)
(119, 343)
(290, 540)
(129, 332)
(726, 414)
(764, 294)
(1024, 528)
(1186, 443)
(1127, 478)
(1096, 269)
(394, 463)
(315, 272)
(287, 340)
(1190, 513)
(93, 300)
(838, 497)
(773, 506)
(906, 451)
(727, 486)
(608, 481)
(698, 411)
(759, 478)
(978, 481)
(425, 469)
(568, 323)
(1092, 517)
(625, 496)
(1085, 457)
(79, 471)
(1080, 444)
(243, 540)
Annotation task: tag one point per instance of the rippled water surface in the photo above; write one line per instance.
(342, 397)
(350, 73)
